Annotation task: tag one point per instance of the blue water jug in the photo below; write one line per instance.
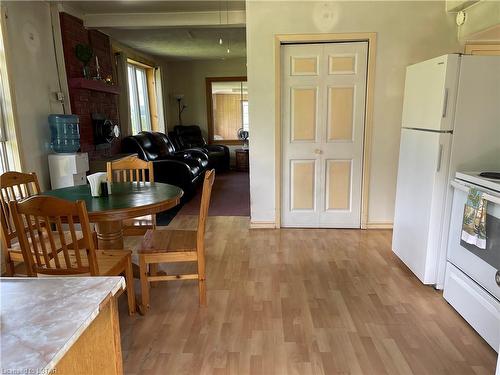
(64, 133)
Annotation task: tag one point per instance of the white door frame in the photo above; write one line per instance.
(371, 38)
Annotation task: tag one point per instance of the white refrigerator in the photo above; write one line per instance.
(450, 121)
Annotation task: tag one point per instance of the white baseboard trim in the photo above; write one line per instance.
(272, 225)
(262, 225)
(379, 225)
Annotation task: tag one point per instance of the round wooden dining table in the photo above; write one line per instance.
(127, 200)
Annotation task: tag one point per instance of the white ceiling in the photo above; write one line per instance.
(184, 43)
(179, 43)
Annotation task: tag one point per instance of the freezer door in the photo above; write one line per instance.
(430, 92)
(420, 197)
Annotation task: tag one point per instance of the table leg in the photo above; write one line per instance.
(109, 235)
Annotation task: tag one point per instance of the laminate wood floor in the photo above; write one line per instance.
(300, 301)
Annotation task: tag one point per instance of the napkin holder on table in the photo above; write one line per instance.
(95, 181)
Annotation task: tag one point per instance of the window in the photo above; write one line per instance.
(140, 115)
(227, 103)
(244, 114)
(9, 155)
(4, 160)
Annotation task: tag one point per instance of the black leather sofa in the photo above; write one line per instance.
(184, 168)
(187, 137)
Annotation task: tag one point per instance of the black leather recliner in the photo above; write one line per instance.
(189, 137)
(184, 168)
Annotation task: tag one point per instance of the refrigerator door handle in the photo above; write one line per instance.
(440, 157)
(445, 103)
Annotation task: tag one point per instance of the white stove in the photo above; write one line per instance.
(476, 179)
(472, 281)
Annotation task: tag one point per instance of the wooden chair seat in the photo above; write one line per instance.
(109, 262)
(164, 241)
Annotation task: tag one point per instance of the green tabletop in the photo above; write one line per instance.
(126, 198)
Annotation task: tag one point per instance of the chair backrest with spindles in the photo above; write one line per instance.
(130, 169)
(41, 213)
(205, 203)
(14, 186)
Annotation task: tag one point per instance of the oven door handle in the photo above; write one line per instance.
(465, 188)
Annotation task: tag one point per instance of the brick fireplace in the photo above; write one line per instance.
(85, 101)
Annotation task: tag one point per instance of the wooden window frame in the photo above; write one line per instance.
(210, 114)
(152, 99)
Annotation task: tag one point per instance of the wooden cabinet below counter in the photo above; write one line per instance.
(61, 325)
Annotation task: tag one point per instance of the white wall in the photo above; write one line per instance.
(407, 32)
(188, 78)
(33, 79)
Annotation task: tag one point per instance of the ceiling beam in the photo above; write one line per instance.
(235, 18)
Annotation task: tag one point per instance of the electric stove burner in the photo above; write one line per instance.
(492, 175)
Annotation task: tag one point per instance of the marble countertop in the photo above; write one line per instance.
(41, 318)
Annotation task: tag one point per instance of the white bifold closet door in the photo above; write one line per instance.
(323, 114)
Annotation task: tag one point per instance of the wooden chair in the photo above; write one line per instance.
(42, 257)
(15, 186)
(131, 169)
(170, 246)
